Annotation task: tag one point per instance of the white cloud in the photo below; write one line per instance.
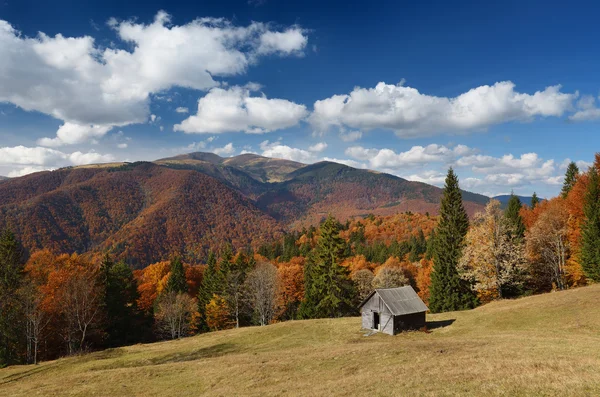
(417, 155)
(350, 136)
(225, 150)
(93, 89)
(318, 147)
(409, 113)
(122, 145)
(349, 163)
(24, 160)
(587, 109)
(182, 109)
(292, 41)
(278, 150)
(27, 170)
(233, 110)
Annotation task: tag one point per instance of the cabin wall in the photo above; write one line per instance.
(387, 323)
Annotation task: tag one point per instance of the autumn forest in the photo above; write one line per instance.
(56, 302)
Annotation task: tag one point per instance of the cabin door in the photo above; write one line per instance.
(375, 320)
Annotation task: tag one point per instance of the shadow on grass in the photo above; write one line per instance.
(15, 377)
(218, 350)
(439, 324)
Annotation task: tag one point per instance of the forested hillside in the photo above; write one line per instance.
(144, 212)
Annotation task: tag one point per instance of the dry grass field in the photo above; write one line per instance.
(544, 345)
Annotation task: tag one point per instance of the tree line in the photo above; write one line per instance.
(54, 305)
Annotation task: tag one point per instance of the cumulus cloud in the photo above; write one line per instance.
(410, 113)
(233, 110)
(318, 147)
(350, 136)
(93, 89)
(279, 150)
(587, 110)
(417, 155)
(182, 109)
(225, 150)
(25, 160)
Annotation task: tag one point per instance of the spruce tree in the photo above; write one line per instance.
(177, 282)
(208, 287)
(513, 216)
(124, 321)
(11, 277)
(590, 247)
(534, 200)
(570, 179)
(329, 288)
(448, 291)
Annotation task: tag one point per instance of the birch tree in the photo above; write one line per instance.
(262, 286)
(174, 314)
(493, 260)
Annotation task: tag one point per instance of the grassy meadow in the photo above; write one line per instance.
(544, 345)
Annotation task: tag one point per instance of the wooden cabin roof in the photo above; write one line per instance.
(400, 301)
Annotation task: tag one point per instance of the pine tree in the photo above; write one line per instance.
(534, 200)
(11, 277)
(448, 291)
(124, 321)
(570, 179)
(329, 288)
(210, 286)
(513, 216)
(590, 247)
(177, 282)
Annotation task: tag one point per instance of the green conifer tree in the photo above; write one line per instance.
(124, 321)
(11, 278)
(208, 287)
(513, 216)
(448, 291)
(534, 200)
(177, 282)
(570, 179)
(590, 230)
(329, 290)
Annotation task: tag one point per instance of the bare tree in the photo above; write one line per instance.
(363, 279)
(262, 287)
(548, 243)
(174, 314)
(36, 319)
(80, 297)
(390, 277)
(235, 293)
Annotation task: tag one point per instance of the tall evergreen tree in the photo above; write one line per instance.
(124, 321)
(448, 291)
(329, 290)
(570, 179)
(211, 284)
(534, 200)
(513, 216)
(177, 282)
(11, 277)
(590, 247)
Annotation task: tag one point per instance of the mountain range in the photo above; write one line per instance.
(145, 211)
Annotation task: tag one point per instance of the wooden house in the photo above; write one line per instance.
(393, 310)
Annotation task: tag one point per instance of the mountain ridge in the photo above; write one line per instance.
(188, 204)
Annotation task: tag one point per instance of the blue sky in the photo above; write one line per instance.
(505, 93)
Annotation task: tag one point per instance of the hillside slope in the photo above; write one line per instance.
(142, 212)
(543, 345)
